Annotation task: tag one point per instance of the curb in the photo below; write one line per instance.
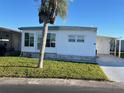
(60, 82)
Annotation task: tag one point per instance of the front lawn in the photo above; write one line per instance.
(26, 68)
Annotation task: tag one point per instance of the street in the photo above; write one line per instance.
(54, 89)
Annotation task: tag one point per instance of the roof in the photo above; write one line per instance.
(60, 28)
(8, 30)
(110, 37)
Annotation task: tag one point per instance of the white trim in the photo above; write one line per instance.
(119, 55)
(108, 37)
(115, 48)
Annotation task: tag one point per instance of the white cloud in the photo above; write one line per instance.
(72, 0)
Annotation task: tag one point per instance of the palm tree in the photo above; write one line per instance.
(48, 11)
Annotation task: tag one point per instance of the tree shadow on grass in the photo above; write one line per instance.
(80, 62)
(21, 66)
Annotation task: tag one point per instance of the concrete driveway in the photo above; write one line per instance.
(112, 66)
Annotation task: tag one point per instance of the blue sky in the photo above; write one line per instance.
(106, 15)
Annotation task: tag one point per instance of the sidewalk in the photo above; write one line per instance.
(61, 82)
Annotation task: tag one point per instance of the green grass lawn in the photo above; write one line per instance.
(27, 68)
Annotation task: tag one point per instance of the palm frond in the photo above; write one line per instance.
(46, 10)
(62, 8)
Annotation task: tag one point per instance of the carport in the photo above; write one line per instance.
(108, 45)
(10, 41)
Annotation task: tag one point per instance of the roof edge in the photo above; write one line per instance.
(8, 29)
(108, 37)
(59, 28)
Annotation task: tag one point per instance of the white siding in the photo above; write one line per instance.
(103, 45)
(86, 48)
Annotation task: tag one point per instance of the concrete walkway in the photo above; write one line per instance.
(112, 66)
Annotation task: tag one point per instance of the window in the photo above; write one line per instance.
(51, 40)
(38, 41)
(71, 38)
(80, 38)
(29, 39)
(76, 38)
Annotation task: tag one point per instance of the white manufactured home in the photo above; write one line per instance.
(69, 43)
(63, 43)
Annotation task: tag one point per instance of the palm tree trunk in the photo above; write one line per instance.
(43, 44)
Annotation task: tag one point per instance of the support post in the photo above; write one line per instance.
(115, 50)
(119, 55)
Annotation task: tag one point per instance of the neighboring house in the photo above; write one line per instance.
(122, 46)
(69, 43)
(10, 41)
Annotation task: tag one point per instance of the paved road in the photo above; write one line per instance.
(54, 89)
(112, 66)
